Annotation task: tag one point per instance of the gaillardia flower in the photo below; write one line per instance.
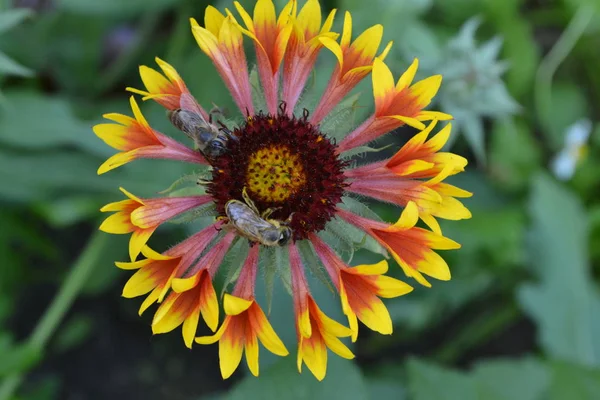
(280, 189)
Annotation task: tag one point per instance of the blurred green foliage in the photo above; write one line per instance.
(519, 320)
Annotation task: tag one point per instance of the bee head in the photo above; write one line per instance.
(285, 234)
(215, 148)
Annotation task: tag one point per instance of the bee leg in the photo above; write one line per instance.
(267, 213)
(289, 219)
(230, 135)
(203, 182)
(226, 226)
(249, 201)
(227, 131)
(216, 110)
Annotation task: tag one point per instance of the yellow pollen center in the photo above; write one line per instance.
(275, 173)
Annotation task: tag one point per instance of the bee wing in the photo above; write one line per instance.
(187, 102)
(245, 220)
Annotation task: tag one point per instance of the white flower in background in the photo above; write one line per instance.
(576, 137)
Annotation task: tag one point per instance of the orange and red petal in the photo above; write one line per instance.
(411, 247)
(151, 274)
(171, 313)
(363, 49)
(312, 348)
(222, 41)
(413, 251)
(129, 134)
(231, 345)
(118, 223)
(355, 61)
(244, 324)
(313, 352)
(157, 211)
(209, 305)
(416, 147)
(399, 191)
(271, 39)
(251, 350)
(396, 106)
(265, 331)
(383, 84)
(364, 303)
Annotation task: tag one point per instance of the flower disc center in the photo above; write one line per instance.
(275, 173)
(285, 164)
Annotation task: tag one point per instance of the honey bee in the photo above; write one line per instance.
(256, 227)
(210, 139)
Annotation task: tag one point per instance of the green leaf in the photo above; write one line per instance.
(282, 381)
(46, 388)
(428, 381)
(493, 100)
(188, 181)
(358, 208)
(6, 309)
(285, 273)
(357, 238)
(11, 18)
(472, 128)
(492, 238)
(519, 44)
(258, 95)
(385, 389)
(515, 155)
(342, 119)
(233, 262)
(113, 7)
(572, 381)
(424, 45)
(19, 359)
(21, 239)
(35, 121)
(313, 263)
(205, 210)
(52, 174)
(70, 210)
(506, 379)
(74, 332)
(564, 303)
(361, 151)
(275, 262)
(456, 11)
(194, 190)
(343, 246)
(9, 66)
(267, 260)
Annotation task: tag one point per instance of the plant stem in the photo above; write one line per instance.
(558, 53)
(60, 304)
